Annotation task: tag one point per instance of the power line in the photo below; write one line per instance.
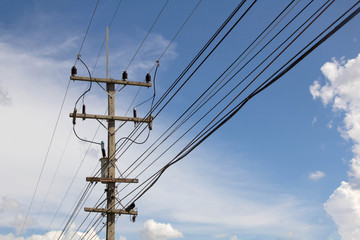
(213, 83)
(213, 126)
(266, 84)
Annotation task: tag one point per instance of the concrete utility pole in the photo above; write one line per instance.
(108, 164)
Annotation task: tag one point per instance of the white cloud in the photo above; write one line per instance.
(122, 238)
(344, 207)
(342, 91)
(51, 235)
(221, 235)
(248, 207)
(316, 175)
(8, 204)
(19, 223)
(234, 238)
(159, 231)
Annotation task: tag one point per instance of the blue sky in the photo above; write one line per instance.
(285, 167)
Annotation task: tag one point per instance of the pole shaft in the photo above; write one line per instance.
(110, 224)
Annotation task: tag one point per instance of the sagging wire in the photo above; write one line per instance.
(153, 97)
(90, 85)
(83, 106)
(133, 141)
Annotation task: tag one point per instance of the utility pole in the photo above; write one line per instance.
(108, 163)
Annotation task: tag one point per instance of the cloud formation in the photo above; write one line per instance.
(341, 91)
(54, 235)
(8, 204)
(317, 175)
(159, 231)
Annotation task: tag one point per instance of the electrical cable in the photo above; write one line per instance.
(196, 110)
(262, 71)
(269, 82)
(90, 84)
(84, 140)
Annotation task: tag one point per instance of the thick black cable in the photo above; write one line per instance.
(90, 84)
(251, 82)
(220, 100)
(82, 139)
(280, 73)
(239, 106)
